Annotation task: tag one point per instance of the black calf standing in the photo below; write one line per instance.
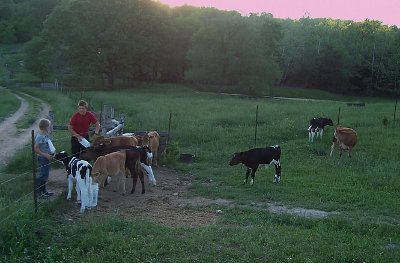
(254, 157)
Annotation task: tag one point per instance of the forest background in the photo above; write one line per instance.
(116, 44)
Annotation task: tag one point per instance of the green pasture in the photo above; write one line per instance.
(363, 191)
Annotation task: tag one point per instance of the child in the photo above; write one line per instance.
(44, 149)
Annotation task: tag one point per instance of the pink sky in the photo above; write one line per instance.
(387, 11)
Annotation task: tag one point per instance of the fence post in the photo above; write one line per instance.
(34, 172)
(255, 132)
(395, 108)
(169, 128)
(338, 117)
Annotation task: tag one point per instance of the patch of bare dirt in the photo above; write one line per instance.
(167, 202)
(163, 203)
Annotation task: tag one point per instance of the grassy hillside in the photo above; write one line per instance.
(364, 189)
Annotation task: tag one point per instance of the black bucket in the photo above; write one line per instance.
(187, 157)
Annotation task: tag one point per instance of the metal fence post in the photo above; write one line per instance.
(34, 172)
(169, 128)
(255, 132)
(338, 117)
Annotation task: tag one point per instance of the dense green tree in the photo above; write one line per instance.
(113, 42)
(234, 50)
(108, 38)
(38, 58)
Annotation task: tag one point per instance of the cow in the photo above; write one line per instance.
(317, 126)
(80, 172)
(101, 141)
(254, 157)
(152, 140)
(136, 160)
(345, 138)
(110, 165)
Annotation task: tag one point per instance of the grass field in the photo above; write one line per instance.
(363, 190)
(9, 103)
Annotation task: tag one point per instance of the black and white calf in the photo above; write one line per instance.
(80, 172)
(317, 126)
(254, 157)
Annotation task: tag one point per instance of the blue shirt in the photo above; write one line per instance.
(42, 140)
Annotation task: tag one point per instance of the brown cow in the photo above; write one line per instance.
(134, 157)
(101, 141)
(152, 140)
(345, 138)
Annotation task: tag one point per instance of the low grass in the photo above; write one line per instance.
(8, 103)
(31, 115)
(364, 189)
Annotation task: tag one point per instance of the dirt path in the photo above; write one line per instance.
(11, 138)
(165, 204)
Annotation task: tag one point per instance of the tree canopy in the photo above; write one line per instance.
(113, 43)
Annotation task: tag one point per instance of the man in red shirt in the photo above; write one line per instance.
(79, 127)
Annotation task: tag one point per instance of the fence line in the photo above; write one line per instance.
(23, 207)
(20, 198)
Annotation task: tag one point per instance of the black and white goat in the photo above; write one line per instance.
(317, 126)
(80, 172)
(254, 157)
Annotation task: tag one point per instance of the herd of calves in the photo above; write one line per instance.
(113, 157)
(345, 138)
(116, 157)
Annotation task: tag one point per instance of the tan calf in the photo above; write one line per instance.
(345, 138)
(113, 165)
(152, 140)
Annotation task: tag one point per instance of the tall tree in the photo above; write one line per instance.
(38, 58)
(107, 38)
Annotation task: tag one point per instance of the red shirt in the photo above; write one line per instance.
(80, 123)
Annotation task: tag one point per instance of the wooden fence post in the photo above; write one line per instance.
(34, 172)
(395, 108)
(255, 132)
(338, 117)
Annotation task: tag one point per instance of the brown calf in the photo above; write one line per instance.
(345, 138)
(113, 165)
(152, 140)
(101, 141)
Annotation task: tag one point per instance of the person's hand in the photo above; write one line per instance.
(49, 157)
(79, 137)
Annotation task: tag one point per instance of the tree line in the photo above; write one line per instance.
(115, 43)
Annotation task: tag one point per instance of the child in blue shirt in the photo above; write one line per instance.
(44, 148)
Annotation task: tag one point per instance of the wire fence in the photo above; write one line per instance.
(29, 199)
(26, 200)
(22, 202)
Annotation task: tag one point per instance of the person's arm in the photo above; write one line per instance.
(95, 122)
(97, 128)
(39, 152)
(73, 132)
